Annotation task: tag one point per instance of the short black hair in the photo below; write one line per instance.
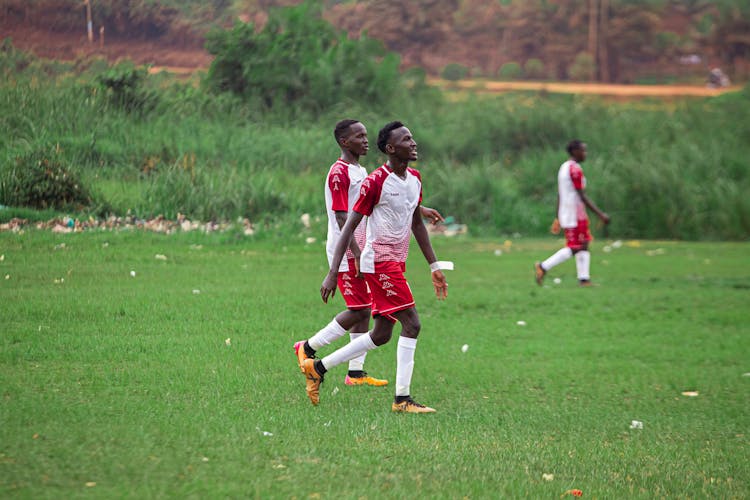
(341, 129)
(385, 134)
(573, 145)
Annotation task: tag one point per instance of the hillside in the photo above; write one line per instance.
(561, 40)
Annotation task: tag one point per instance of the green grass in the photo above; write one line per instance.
(126, 382)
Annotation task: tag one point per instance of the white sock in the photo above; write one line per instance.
(583, 260)
(349, 351)
(357, 363)
(404, 365)
(328, 334)
(558, 258)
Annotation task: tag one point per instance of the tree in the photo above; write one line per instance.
(300, 59)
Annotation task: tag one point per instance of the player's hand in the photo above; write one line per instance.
(432, 215)
(555, 227)
(328, 287)
(441, 286)
(605, 218)
(357, 272)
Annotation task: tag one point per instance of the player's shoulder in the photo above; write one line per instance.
(339, 167)
(414, 172)
(379, 174)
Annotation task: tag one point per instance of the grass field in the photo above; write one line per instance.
(121, 386)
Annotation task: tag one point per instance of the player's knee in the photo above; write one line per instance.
(411, 327)
(380, 337)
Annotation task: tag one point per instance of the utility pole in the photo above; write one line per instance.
(603, 53)
(594, 35)
(89, 26)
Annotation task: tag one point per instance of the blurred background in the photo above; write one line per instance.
(223, 109)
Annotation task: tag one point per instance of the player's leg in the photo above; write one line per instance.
(359, 293)
(407, 345)
(315, 369)
(357, 374)
(332, 331)
(358, 301)
(572, 245)
(583, 257)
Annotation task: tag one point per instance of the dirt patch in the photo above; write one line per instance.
(71, 47)
(584, 88)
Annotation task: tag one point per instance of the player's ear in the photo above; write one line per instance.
(389, 149)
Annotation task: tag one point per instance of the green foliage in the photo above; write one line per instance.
(12, 60)
(534, 69)
(43, 179)
(583, 68)
(454, 72)
(489, 161)
(299, 60)
(125, 86)
(510, 71)
(208, 194)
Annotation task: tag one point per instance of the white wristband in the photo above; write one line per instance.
(441, 265)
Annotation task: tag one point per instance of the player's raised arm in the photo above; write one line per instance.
(423, 240)
(328, 287)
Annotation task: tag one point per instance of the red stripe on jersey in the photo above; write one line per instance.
(338, 183)
(576, 175)
(416, 174)
(369, 193)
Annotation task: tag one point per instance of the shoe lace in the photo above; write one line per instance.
(414, 403)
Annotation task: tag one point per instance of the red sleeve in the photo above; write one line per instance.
(576, 175)
(338, 183)
(416, 174)
(369, 195)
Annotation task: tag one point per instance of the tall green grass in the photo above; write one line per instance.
(676, 169)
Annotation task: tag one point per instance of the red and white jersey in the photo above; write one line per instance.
(389, 202)
(341, 192)
(569, 179)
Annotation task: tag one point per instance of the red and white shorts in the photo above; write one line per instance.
(577, 237)
(390, 291)
(355, 291)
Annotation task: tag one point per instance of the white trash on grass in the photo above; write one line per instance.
(636, 424)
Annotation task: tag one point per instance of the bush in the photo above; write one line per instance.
(298, 59)
(43, 180)
(583, 68)
(534, 69)
(125, 85)
(509, 71)
(454, 71)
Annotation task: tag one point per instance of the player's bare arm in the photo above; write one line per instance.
(341, 220)
(592, 206)
(431, 215)
(328, 287)
(423, 240)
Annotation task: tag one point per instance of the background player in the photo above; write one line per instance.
(390, 197)
(572, 217)
(342, 188)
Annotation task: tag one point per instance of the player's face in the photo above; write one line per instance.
(579, 154)
(404, 145)
(356, 140)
